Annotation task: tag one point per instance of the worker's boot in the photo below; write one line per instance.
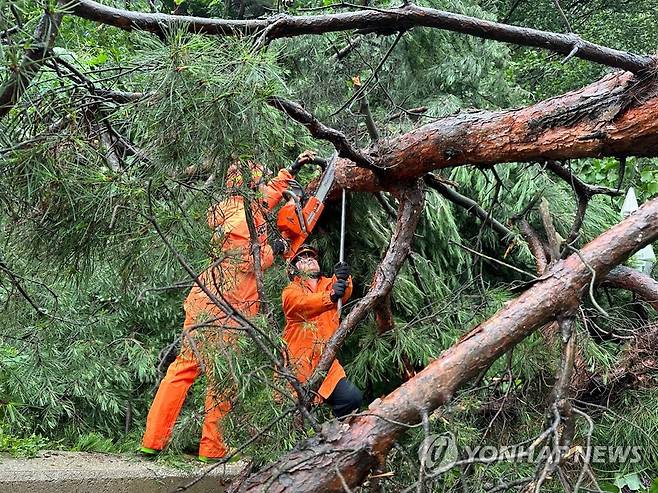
(149, 453)
(210, 460)
(213, 460)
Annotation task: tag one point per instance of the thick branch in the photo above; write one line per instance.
(616, 116)
(583, 194)
(383, 21)
(121, 97)
(578, 185)
(21, 76)
(553, 241)
(535, 243)
(111, 155)
(354, 450)
(364, 109)
(645, 287)
(352, 43)
(384, 315)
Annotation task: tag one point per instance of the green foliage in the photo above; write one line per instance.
(78, 361)
(25, 446)
(93, 442)
(632, 421)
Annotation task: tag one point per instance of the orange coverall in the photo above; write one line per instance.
(235, 279)
(311, 320)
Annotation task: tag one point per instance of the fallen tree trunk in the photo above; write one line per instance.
(345, 454)
(615, 116)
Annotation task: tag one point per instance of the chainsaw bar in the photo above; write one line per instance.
(326, 182)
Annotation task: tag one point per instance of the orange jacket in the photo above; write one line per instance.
(311, 319)
(234, 277)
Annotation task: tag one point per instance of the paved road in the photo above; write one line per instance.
(83, 472)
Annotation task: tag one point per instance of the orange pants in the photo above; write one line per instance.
(169, 400)
(179, 378)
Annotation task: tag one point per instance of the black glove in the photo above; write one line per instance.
(304, 158)
(342, 270)
(279, 246)
(338, 290)
(296, 167)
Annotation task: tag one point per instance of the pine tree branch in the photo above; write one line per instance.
(119, 97)
(584, 192)
(644, 286)
(469, 205)
(320, 131)
(382, 21)
(361, 88)
(352, 43)
(552, 239)
(364, 109)
(578, 185)
(413, 113)
(537, 247)
(34, 57)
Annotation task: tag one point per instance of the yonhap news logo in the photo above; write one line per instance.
(440, 453)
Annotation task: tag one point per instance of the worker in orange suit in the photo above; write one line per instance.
(310, 306)
(232, 277)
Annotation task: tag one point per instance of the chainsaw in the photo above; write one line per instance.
(299, 216)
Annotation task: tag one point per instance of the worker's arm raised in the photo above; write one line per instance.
(298, 304)
(273, 190)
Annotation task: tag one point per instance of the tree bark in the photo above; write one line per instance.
(347, 452)
(615, 116)
(645, 287)
(381, 21)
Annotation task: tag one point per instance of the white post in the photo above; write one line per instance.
(645, 259)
